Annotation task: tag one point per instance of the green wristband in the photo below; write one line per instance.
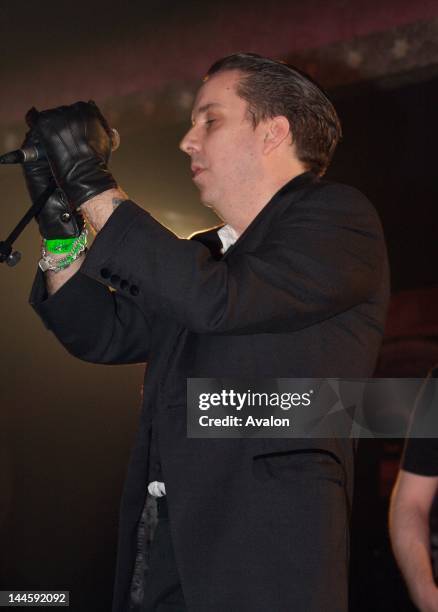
(78, 247)
(59, 245)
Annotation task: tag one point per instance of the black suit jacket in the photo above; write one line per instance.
(259, 524)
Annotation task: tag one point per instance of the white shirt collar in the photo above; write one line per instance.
(228, 237)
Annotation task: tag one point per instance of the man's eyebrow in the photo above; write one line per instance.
(205, 107)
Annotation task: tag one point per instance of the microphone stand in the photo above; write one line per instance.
(7, 254)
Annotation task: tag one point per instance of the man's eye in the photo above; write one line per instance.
(209, 122)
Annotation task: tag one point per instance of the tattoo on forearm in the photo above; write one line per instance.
(97, 210)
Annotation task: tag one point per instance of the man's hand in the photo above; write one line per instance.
(77, 142)
(55, 220)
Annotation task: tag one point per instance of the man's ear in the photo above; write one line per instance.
(277, 131)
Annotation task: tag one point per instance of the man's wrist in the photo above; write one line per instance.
(98, 210)
(52, 260)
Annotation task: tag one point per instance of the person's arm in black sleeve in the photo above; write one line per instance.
(92, 322)
(322, 257)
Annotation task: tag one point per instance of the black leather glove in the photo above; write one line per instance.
(77, 142)
(55, 219)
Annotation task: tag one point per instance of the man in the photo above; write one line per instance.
(294, 284)
(411, 503)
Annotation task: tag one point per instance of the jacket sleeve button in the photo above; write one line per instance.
(105, 273)
(134, 290)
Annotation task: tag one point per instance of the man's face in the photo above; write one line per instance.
(225, 149)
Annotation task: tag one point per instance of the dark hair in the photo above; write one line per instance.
(274, 88)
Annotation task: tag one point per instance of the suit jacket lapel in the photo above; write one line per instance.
(291, 190)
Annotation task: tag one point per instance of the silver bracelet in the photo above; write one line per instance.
(56, 265)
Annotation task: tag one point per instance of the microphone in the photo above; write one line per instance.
(33, 154)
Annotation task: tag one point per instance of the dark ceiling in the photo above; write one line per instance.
(53, 52)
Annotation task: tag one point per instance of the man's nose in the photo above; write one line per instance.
(190, 142)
